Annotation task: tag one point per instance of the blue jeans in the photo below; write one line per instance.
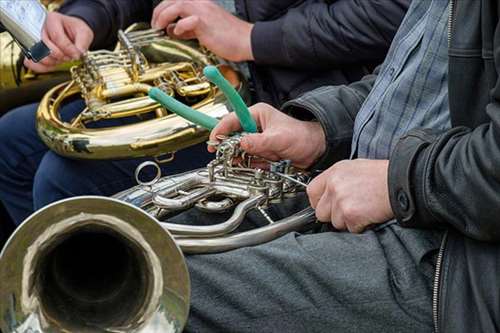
(32, 176)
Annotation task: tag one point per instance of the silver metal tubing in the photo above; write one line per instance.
(248, 238)
(217, 229)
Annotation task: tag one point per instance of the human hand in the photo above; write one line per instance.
(282, 137)
(219, 31)
(352, 194)
(67, 37)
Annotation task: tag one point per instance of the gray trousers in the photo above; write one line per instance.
(378, 281)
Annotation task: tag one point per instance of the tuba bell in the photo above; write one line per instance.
(93, 264)
(114, 85)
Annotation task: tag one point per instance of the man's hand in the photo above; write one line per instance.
(352, 194)
(282, 137)
(216, 29)
(67, 37)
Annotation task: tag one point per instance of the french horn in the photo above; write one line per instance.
(93, 264)
(114, 85)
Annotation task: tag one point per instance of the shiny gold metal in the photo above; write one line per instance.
(114, 85)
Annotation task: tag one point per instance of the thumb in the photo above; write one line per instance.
(258, 144)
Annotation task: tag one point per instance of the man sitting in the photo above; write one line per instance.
(425, 197)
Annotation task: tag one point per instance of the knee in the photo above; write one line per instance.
(57, 178)
(18, 135)
(18, 122)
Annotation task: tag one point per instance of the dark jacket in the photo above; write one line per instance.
(298, 45)
(445, 180)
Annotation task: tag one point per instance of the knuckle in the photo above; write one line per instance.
(348, 211)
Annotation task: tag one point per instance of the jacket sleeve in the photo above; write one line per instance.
(325, 34)
(335, 108)
(451, 178)
(106, 17)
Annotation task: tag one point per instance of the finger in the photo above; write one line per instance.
(38, 67)
(60, 38)
(168, 15)
(259, 144)
(83, 39)
(226, 126)
(324, 209)
(186, 28)
(315, 189)
(55, 52)
(336, 218)
(158, 10)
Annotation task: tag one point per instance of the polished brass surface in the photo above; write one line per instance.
(92, 264)
(114, 85)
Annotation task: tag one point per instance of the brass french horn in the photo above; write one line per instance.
(112, 83)
(93, 264)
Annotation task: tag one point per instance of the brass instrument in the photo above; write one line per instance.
(93, 264)
(114, 85)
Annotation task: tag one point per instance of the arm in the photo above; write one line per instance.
(324, 34)
(106, 17)
(335, 108)
(452, 178)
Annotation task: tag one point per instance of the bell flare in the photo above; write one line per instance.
(92, 264)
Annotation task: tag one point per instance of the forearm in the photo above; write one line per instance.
(319, 35)
(448, 179)
(335, 108)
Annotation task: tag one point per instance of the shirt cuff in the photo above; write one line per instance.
(267, 43)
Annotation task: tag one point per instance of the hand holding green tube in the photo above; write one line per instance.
(247, 122)
(171, 104)
(212, 73)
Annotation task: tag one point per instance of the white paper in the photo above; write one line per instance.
(30, 14)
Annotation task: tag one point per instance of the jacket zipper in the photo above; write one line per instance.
(450, 20)
(439, 262)
(437, 283)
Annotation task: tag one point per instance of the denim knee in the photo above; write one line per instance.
(57, 178)
(18, 136)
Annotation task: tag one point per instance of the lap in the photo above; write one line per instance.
(312, 282)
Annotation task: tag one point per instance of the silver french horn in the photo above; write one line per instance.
(93, 264)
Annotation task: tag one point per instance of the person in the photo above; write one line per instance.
(416, 208)
(293, 46)
(31, 176)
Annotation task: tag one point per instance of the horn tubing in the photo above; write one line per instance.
(249, 238)
(218, 229)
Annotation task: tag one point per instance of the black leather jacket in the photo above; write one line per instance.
(445, 180)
